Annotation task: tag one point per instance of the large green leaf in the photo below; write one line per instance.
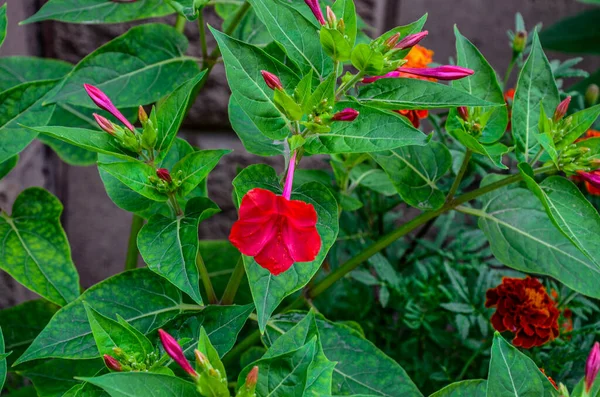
(3, 25)
(20, 69)
(243, 64)
(143, 384)
(578, 34)
(404, 93)
(129, 70)
(535, 87)
(2, 349)
(195, 167)
(170, 246)
(269, 291)
(135, 175)
(301, 43)
(22, 105)
(35, 250)
(414, 171)
(512, 374)
(466, 388)
(357, 359)
(99, 11)
(8, 165)
(374, 130)
(54, 378)
(22, 323)
(523, 237)
(145, 300)
(482, 84)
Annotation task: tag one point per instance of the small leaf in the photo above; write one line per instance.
(335, 44)
(346, 10)
(466, 388)
(579, 124)
(8, 165)
(143, 384)
(195, 167)
(367, 60)
(494, 152)
(135, 175)
(458, 307)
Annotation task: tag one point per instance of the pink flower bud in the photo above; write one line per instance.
(316, 10)
(252, 378)
(392, 41)
(561, 109)
(175, 352)
(331, 18)
(593, 178)
(164, 174)
(411, 40)
(289, 179)
(142, 115)
(372, 79)
(112, 363)
(592, 366)
(104, 102)
(463, 112)
(105, 124)
(272, 81)
(347, 114)
(201, 359)
(445, 72)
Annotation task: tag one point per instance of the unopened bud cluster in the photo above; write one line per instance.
(470, 119)
(164, 182)
(120, 361)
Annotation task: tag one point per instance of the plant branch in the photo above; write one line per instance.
(208, 287)
(132, 250)
(234, 283)
(202, 31)
(509, 70)
(180, 23)
(460, 175)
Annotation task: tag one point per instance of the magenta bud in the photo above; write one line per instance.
(316, 10)
(164, 174)
(445, 72)
(593, 178)
(105, 124)
(592, 366)
(176, 353)
(372, 79)
(104, 102)
(561, 109)
(463, 112)
(347, 114)
(112, 363)
(272, 81)
(411, 40)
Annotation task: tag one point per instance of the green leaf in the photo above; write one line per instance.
(404, 93)
(170, 246)
(353, 354)
(142, 298)
(172, 111)
(85, 390)
(367, 60)
(20, 69)
(8, 165)
(324, 91)
(578, 34)
(35, 247)
(196, 167)
(466, 388)
(494, 152)
(346, 10)
(135, 175)
(22, 323)
(335, 44)
(2, 348)
(99, 11)
(579, 124)
(252, 139)
(535, 87)
(512, 374)
(414, 171)
(54, 378)
(482, 84)
(129, 70)
(523, 237)
(208, 385)
(3, 25)
(243, 64)
(569, 210)
(372, 178)
(143, 384)
(110, 334)
(302, 43)
(374, 130)
(269, 291)
(250, 29)
(22, 105)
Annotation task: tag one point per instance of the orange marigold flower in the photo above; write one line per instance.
(549, 378)
(418, 57)
(524, 308)
(592, 134)
(414, 116)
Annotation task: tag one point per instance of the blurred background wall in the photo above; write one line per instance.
(98, 230)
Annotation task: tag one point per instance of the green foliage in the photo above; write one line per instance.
(467, 388)
(143, 384)
(7, 166)
(21, 69)
(578, 34)
(3, 361)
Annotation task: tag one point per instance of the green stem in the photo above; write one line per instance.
(537, 157)
(470, 361)
(509, 70)
(234, 283)
(202, 30)
(208, 287)
(180, 23)
(132, 250)
(460, 175)
(345, 87)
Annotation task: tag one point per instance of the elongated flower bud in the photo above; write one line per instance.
(142, 115)
(331, 18)
(164, 174)
(202, 360)
(561, 109)
(411, 40)
(316, 10)
(591, 95)
(104, 102)
(463, 112)
(445, 72)
(392, 41)
(175, 352)
(520, 41)
(105, 124)
(347, 114)
(289, 180)
(592, 366)
(112, 363)
(272, 81)
(252, 378)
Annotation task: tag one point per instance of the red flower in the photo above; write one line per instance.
(524, 308)
(414, 116)
(275, 230)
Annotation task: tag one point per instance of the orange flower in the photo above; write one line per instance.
(418, 57)
(524, 308)
(414, 116)
(592, 134)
